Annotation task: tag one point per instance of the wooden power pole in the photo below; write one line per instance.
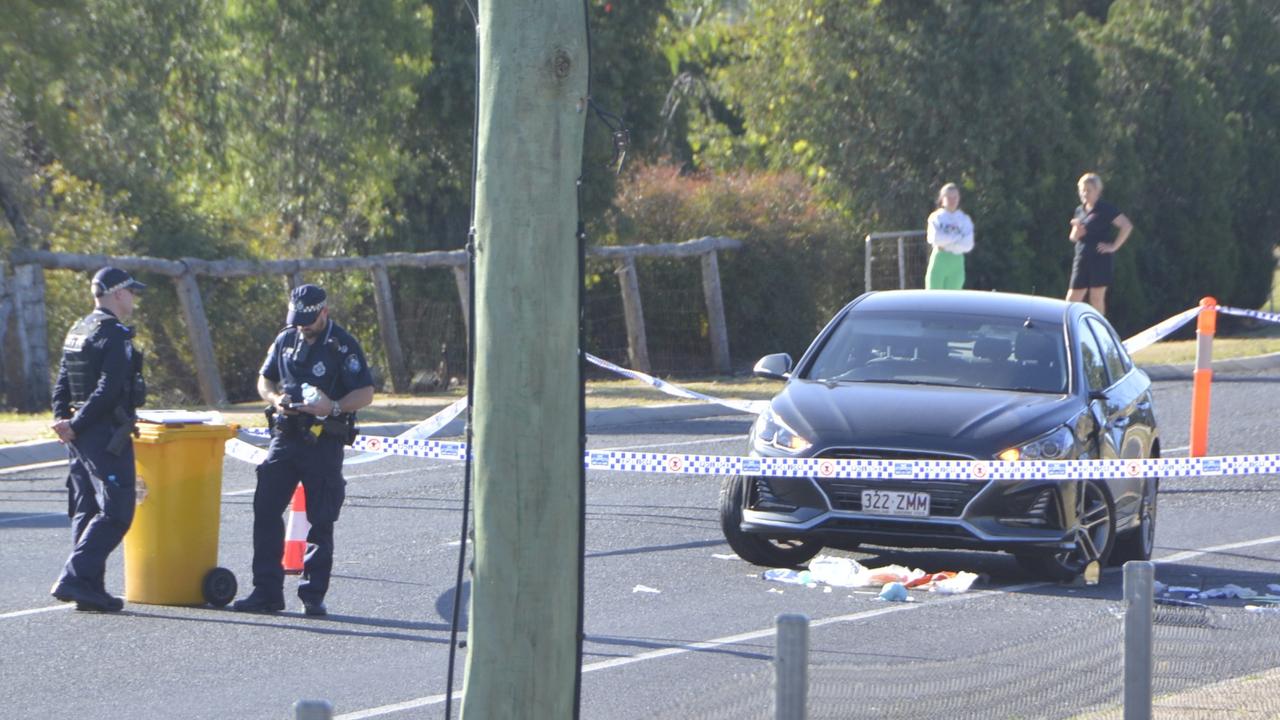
(522, 654)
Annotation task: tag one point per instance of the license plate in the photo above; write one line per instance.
(895, 502)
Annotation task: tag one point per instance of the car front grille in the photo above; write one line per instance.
(947, 498)
(883, 454)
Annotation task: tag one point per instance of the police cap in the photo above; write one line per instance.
(305, 304)
(109, 279)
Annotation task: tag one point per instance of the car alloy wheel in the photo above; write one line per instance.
(756, 549)
(1093, 532)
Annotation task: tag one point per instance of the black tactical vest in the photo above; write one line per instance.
(82, 360)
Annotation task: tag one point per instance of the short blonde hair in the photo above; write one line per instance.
(1089, 178)
(946, 189)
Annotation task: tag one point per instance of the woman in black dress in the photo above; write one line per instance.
(1094, 263)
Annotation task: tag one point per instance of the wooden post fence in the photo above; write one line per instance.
(22, 296)
(633, 314)
(387, 328)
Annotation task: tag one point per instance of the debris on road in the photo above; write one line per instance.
(894, 592)
(849, 573)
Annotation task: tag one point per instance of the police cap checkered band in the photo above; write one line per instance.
(305, 304)
(109, 279)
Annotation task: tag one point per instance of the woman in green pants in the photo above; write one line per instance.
(950, 233)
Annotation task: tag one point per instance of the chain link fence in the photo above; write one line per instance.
(1206, 662)
(896, 260)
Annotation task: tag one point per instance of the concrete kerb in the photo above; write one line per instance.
(44, 451)
(1184, 371)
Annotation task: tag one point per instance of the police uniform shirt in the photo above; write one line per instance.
(335, 363)
(95, 371)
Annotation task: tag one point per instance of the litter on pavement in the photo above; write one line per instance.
(847, 572)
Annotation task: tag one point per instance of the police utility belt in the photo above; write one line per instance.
(309, 427)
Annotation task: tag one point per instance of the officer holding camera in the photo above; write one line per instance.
(315, 377)
(99, 387)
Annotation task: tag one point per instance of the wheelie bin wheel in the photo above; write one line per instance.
(219, 587)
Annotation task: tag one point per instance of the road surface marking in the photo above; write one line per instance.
(768, 632)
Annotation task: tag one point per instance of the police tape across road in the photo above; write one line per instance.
(415, 442)
(863, 468)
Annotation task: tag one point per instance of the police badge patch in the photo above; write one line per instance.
(318, 369)
(353, 363)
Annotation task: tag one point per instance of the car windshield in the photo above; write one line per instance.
(946, 349)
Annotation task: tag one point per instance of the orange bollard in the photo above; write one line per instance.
(1206, 326)
(295, 537)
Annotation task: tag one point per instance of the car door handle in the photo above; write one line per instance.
(1122, 421)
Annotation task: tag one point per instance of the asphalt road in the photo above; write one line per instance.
(700, 646)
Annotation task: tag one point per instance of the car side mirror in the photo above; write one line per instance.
(1097, 395)
(773, 367)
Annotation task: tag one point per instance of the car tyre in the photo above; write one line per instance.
(1097, 525)
(754, 548)
(1137, 544)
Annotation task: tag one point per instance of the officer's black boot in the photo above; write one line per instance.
(259, 601)
(72, 589)
(112, 602)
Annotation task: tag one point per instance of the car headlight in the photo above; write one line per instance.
(771, 433)
(1056, 445)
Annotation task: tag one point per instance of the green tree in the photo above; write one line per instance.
(881, 102)
(1234, 45)
(1170, 162)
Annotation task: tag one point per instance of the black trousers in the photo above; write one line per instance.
(292, 459)
(101, 497)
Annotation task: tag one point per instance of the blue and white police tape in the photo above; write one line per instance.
(377, 447)
(1165, 328)
(1255, 314)
(868, 469)
(1159, 331)
(241, 450)
(421, 431)
(755, 407)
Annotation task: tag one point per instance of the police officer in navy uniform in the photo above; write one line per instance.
(309, 430)
(99, 386)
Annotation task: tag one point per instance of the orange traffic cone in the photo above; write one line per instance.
(295, 536)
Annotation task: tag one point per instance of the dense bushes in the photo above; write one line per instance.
(799, 263)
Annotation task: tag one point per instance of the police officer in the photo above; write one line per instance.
(99, 386)
(315, 377)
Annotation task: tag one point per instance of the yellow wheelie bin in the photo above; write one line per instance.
(171, 551)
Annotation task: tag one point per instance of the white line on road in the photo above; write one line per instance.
(767, 632)
(33, 466)
(36, 611)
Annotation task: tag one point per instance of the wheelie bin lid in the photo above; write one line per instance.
(151, 432)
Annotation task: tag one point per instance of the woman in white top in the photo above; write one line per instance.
(950, 233)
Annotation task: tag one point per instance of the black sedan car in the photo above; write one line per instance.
(953, 375)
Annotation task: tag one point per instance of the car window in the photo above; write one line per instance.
(1095, 367)
(962, 350)
(1112, 354)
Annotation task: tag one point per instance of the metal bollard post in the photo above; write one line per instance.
(791, 667)
(313, 710)
(1138, 578)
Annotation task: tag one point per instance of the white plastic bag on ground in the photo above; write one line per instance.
(788, 576)
(838, 571)
(955, 585)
